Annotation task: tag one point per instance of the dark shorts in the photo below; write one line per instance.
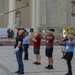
(36, 51)
(49, 52)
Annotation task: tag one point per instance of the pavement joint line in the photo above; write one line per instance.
(47, 71)
(6, 70)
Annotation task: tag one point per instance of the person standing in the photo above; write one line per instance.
(26, 45)
(63, 46)
(11, 34)
(8, 34)
(19, 50)
(69, 50)
(49, 48)
(37, 42)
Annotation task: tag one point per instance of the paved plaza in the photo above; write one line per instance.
(8, 63)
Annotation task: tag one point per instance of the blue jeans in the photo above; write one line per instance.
(19, 60)
(26, 50)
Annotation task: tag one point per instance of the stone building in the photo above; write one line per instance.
(57, 13)
(39, 13)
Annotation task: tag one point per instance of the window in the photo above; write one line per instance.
(18, 0)
(73, 8)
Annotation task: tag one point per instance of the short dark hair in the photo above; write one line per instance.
(21, 29)
(52, 30)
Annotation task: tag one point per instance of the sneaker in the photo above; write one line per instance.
(35, 62)
(47, 66)
(16, 71)
(38, 63)
(25, 58)
(50, 67)
(63, 57)
(20, 73)
(68, 74)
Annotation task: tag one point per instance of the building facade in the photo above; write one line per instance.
(38, 13)
(57, 13)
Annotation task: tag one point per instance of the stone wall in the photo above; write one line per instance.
(54, 13)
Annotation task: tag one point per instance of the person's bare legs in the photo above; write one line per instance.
(51, 61)
(63, 52)
(39, 58)
(36, 58)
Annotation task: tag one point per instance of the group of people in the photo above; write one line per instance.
(10, 34)
(68, 43)
(22, 43)
(49, 47)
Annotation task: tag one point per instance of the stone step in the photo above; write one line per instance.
(11, 43)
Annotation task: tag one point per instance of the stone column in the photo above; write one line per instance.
(35, 13)
(48, 13)
(12, 14)
(69, 12)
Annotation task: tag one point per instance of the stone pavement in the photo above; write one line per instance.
(8, 63)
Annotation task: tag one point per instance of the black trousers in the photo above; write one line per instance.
(68, 57)
(26, 50)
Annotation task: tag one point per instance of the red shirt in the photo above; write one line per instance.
(38, 39)
(49, 43)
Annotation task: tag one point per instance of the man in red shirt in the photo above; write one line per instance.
(37, 42)
(49, 48)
